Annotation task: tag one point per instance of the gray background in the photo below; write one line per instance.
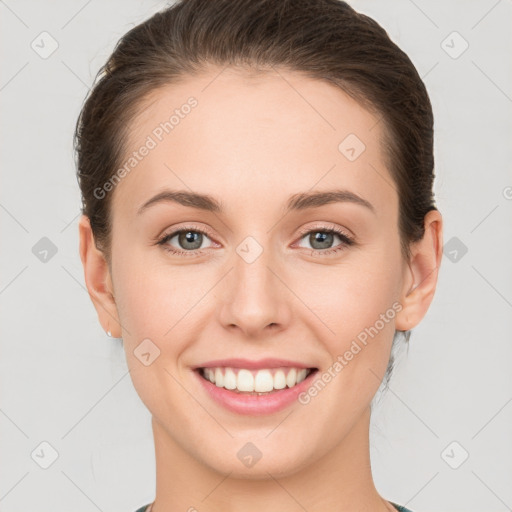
(63, 382)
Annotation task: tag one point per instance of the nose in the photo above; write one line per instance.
(255, 298)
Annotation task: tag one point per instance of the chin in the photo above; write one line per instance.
(258, 460)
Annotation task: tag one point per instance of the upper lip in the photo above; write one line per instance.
(252, 364)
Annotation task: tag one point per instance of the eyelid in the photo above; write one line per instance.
(187, 226)
(326, 226)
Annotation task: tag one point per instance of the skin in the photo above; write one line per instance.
(252, 142)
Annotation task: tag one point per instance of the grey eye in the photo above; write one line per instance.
(321, 240)
(190, 240)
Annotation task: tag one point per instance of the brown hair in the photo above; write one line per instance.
(325, 39)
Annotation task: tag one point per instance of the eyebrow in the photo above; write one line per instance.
(297, 202)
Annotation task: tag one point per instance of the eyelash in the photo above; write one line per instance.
(346, 240)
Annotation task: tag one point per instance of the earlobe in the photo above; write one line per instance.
(422, 273)
(98, 279)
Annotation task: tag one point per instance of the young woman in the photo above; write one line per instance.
(259, 227)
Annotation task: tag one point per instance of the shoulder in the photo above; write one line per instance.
(398, 507)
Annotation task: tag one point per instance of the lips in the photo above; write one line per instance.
(254, 387)
(251, 364)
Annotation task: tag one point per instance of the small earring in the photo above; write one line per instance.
(109, 334)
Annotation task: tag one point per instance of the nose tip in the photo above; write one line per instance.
(254, 300)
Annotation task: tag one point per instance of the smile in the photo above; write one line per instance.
(255, 382)
(251, 387)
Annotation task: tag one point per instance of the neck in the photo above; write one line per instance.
(340, 481)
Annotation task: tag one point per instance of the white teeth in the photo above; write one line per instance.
(291, 378)
(230, 379)
(244, 381)
(279, 380)
(260, 381)
(301, 375)
(219, 378)
(263, 381)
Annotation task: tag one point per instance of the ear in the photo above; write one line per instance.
(98, 279)
(422, 273)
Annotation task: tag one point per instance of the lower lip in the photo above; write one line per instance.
(255, 404)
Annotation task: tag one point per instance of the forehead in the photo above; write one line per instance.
(231, 132)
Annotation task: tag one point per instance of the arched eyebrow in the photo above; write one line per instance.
(185, 198)
(307, 200)
(300, 201)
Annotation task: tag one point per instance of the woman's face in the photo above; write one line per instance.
(259, 285)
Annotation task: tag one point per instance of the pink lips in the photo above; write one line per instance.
(252, 365)
(247, 404)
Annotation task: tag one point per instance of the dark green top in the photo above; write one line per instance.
(398, 507)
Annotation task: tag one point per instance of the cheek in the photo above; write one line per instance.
(152, 304)
(360, 310)
(352, 296)
(159, 302)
